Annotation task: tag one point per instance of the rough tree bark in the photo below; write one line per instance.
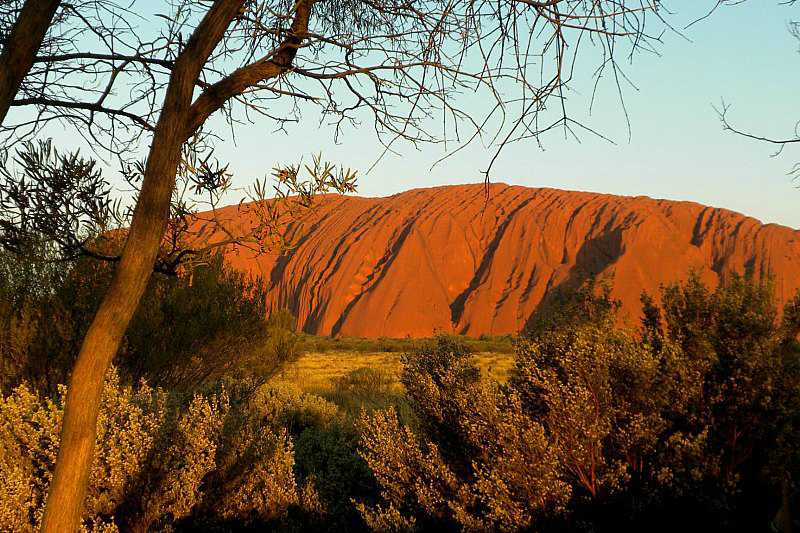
(21, 47)
(70, 480)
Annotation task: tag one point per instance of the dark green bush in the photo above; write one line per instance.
(328, 458)
(188, 330)
(44, 310)
(690, 423)
(746, 409)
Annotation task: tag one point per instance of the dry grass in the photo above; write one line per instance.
(356, 379)
(317, 372)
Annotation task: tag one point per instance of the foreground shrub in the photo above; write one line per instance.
(222, 458)
(472, 465)
(128, 429)
(599, 428)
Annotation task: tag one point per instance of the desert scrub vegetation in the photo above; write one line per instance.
(190, 330)
(242, 456)
(690, 421)
(222, 459)
(325, 373)
(503, 344)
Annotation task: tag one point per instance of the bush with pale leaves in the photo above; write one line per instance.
(224, 456)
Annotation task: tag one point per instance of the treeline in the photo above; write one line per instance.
(690, 421)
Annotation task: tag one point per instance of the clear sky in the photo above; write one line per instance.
(677, 150)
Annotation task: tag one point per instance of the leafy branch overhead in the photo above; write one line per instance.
(49, 196)
(63, 201)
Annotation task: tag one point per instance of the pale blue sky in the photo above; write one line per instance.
(678, 150)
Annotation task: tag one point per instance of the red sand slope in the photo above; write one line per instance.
(442, 259)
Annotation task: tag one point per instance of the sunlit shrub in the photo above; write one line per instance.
(476, 460)
(157, 464)
(128, 428)
(364, 382)
(286, 406)
(29, 440)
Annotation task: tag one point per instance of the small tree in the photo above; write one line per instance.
(748, 360)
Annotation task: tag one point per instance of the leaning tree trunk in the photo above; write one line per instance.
(79, 428)
(78, 432)
(21, 47)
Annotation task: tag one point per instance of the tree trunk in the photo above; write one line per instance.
(78, 432)
(79, 428)
(21, 47)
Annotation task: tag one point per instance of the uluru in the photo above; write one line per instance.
(467, 260)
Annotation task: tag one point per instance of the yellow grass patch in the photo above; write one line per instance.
(315, 372)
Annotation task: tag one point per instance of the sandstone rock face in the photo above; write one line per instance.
(452, 259)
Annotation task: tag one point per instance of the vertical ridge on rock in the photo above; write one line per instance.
(445, 259)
